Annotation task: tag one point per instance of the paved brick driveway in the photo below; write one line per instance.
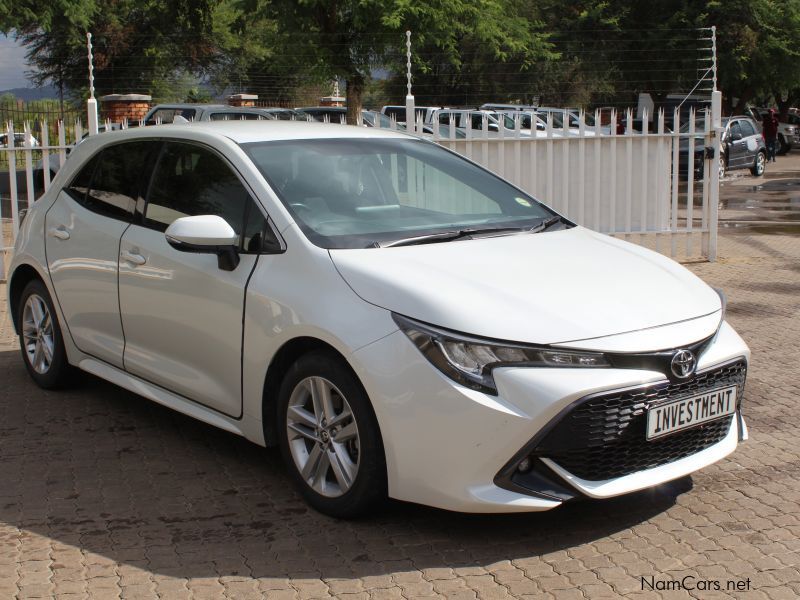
(106, 495)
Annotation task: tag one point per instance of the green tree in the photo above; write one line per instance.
(350, 39)
(139, 45)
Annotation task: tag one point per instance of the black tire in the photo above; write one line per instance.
(783, 147)
(368, 489)
(59, 373)
(759, 165)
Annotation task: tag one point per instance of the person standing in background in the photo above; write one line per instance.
(769, 129)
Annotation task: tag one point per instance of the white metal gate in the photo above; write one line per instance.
(660, 188)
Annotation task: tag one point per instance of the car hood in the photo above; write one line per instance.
(544, 288)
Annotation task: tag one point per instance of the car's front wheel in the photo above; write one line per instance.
(721, 167)
(760, 164)
(40, 338)
(329, 437)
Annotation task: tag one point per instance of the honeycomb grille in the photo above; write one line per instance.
(605, 436)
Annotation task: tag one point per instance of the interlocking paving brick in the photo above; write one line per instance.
(106, 495)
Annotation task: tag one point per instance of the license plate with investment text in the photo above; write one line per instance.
(670, 417)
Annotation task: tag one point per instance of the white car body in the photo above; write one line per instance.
(187, 345)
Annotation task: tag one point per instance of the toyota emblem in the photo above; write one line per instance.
(683, 364)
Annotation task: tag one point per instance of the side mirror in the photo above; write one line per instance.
(736, 136)
(208, 234)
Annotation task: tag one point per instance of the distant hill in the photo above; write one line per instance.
(32, 93)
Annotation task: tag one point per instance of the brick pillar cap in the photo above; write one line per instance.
(126, 98)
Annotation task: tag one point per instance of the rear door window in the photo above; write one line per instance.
(113, 182)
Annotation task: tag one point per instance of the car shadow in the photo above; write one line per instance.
(106, 471)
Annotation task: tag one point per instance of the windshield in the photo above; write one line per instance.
(353, 193)
(699, 125)
(372, 118)
(792, 119)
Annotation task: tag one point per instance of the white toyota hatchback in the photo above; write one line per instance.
(397, 319)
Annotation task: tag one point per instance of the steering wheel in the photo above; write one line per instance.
(300, 205)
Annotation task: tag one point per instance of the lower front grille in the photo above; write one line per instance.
(604, 436)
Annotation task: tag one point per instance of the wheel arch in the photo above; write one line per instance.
(21, 277)
(286, 355)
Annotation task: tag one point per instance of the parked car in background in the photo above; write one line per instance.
(788, 129)
(741, 147)
(488, 122)
(506, 107)
(338, 114)
(399, 113)
(174, 113)
(637, 126)
(20, 139)
(395, 318)
(284, 114)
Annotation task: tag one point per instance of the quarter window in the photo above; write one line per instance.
(80, 185)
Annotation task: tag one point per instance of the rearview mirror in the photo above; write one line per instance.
(205, 234)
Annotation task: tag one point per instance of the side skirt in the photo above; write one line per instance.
(247, 428)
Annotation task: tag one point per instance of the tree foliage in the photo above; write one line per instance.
(583, 52)
(138, 45)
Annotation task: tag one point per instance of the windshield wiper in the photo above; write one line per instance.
(446, 236)
(449, 236)
(548, 223)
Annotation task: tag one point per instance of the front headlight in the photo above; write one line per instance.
(470, 360)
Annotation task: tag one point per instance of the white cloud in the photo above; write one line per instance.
(12, 64)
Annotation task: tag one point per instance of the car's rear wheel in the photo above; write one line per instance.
(329, 437)
(40, 338)
(760, 164)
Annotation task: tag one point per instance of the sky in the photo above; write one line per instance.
(12, 64)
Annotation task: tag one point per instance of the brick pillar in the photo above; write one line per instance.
(120, 106)
(242, 100)
(332, 101)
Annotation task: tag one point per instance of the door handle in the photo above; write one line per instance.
(60, 233)
(136, 259)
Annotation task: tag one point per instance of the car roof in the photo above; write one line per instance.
(243, 132)
(191, 105)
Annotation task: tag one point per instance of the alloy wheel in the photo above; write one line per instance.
(37, 334)
(721, 167)
(761, 162)
(323, 436)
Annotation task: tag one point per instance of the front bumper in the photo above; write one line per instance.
(447, 446)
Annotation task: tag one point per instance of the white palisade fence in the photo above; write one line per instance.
(637, 184)
(642, 184)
